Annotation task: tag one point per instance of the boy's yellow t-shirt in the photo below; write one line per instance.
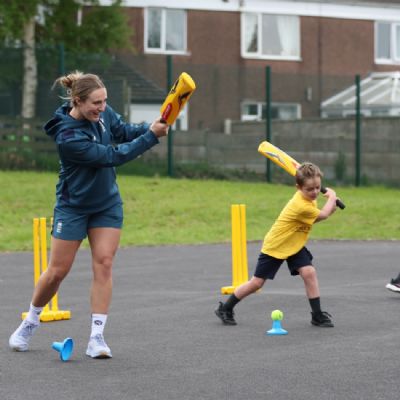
(291, 229)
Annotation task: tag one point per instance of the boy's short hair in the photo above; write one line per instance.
(306, 171)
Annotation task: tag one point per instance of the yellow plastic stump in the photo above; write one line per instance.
(240, 272)
(50, 311)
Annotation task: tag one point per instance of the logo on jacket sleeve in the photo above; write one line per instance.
(102, 125)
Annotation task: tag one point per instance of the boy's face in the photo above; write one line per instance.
(311, 188)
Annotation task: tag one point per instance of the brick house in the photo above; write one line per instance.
(314, 49)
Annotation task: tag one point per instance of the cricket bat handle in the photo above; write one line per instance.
(339, 203)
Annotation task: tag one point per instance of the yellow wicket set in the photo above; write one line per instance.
(50, 311)
(239, 248)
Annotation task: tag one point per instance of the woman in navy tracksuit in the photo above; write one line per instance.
(91, 140)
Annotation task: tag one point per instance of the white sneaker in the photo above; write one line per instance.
(97, 347)
(393, 286)
(19, 340)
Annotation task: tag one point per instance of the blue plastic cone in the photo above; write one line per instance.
(276, 329)
(65, 348)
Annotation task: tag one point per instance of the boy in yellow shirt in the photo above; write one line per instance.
(286, 241)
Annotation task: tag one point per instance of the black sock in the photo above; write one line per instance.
(231, 302)
(315, 304)
(397, 280)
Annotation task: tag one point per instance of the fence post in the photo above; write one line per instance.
(61, 68)
(358, 133)
(170, 133)
(61, 49)
(268, 114)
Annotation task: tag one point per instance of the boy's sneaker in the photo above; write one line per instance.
(19, 340)
(322, 318)
(393, 286)
(97, 347)
(226, 316)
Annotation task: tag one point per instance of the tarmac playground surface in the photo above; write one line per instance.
(167, 343)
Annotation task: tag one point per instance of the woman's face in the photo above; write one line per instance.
(91, 108)
(311, 188)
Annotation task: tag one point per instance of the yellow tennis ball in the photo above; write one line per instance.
(277, 315)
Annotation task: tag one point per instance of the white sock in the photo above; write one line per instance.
(33, 315)
(98, 324)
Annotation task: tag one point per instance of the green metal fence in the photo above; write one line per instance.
(228, 99)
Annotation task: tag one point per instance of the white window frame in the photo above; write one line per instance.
(149, 112)
(393, 43)
(248, 117)
(258, 54)
(162, 49)
(260, 105)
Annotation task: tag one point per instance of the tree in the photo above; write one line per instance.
(17, 24)
(30, 70)
(81, 25)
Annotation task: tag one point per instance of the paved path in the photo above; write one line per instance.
(168, 344)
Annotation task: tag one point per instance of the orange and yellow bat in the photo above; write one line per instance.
(279, 157)
(283, 160)
(177, 97)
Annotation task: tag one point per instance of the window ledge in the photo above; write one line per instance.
(387, 62)
(163, 52)
(274, 58)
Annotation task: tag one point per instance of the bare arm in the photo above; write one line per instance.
(330, 206)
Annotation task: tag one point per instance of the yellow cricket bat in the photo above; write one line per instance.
(279, 157)
(177, 97)
(283, 160)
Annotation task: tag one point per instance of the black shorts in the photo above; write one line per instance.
(268, 266)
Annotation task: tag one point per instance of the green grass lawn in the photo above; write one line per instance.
(181, 211)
